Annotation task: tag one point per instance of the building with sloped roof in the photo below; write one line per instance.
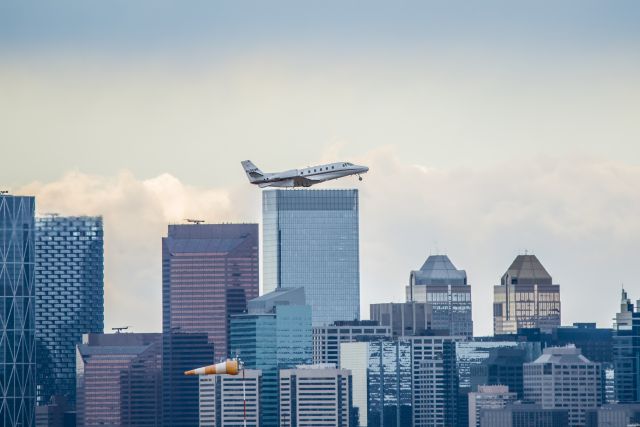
(526, 298)
(563, 378)
(445, 288)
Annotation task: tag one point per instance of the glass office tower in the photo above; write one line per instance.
(310, 239)
(275, 334)
(69, 298)
(17, 316)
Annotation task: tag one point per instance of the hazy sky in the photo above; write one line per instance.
(490, 128)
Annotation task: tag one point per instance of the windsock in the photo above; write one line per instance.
(228, 367)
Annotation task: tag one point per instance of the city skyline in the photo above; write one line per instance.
(489, 130)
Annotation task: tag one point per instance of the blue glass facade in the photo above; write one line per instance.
(311, 239)
(17, 311)
(69, 298)
(270, 339)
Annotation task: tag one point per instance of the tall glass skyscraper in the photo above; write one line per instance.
(17, 311)
(311, 239)
(209, 272)
(69, 298)
(626, 351)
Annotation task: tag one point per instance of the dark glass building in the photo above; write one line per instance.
(311, 240)
(405, 318)
(381, 378)
(209, 272)
(626, 352)
(17, 311)
(118, 380)
(69, 298)
(182, 352)
(595, 343)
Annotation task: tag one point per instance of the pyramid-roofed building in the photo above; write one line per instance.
(439, 270)
(526, 270)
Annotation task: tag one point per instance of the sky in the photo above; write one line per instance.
(490, 129)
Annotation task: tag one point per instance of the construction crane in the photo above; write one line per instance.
(120, 329)
(194, 221)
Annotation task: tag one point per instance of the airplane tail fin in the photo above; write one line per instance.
(253, 172)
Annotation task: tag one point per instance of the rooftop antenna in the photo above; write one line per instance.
(120, 329)
(194, 221)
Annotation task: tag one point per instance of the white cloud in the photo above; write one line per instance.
(579, 215)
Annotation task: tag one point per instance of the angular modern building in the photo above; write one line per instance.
(17, 316)
(405, 318)
(381, 378)
(209, 272)
(327, 339)
(626, 352)
(118, 380)
(230, 400)
(311, 240)
(69, 298)
(563, 378)
(525, 298)
(182, 352)
(274, 334)
(445, 288)
(315, 396)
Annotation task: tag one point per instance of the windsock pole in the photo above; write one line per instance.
(244, 397)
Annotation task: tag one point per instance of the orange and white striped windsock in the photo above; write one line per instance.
(229, 367)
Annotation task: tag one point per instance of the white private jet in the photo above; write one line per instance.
(301, 177)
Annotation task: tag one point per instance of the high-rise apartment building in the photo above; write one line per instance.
(69, 298)
(381, 378)
(488, 397)
(435, 381)
(327, 339)
(315, 396)
(405, 318)
(626, 352)
(525, 298)
(445, 288)
(563, 378)
(311, 240)
(274, 334)
(230, 400)
(17, 316)
(209, 271)
(118, 380)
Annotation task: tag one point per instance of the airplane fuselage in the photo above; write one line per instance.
(303, 177)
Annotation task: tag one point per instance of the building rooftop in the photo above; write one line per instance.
(526, 270)
(280, 296)
(439, 270)
(569, 355)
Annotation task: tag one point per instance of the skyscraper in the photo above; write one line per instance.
(563, 378)
(118, 379)
(626, 352)
(17, 316)
(310, 240)
(488, 397)
(525, 298)
(273, 335)
(69, 298)
(381, 378)
(209, 271)
(445, 288)
(405, 318)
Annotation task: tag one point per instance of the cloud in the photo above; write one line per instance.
(579, 215)
(136, 213)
